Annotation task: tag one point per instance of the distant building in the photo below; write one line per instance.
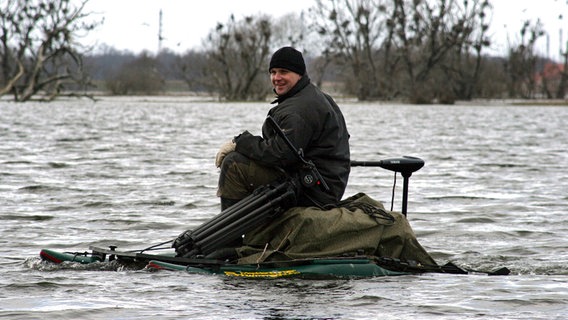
(550, 79)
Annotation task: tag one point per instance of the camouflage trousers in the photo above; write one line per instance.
(240, 176)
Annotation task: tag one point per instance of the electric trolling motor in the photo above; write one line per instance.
(405, 165)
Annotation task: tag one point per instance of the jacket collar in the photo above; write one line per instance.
(301, 84)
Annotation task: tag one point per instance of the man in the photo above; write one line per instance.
(310, 119)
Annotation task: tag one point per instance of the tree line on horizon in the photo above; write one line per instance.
(419, 51)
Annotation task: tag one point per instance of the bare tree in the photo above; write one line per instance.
(140, 76)
(522, 60)
(351, 30)
(237, 54)
(292, 30)
(463, 66)
(38, 49)
(563, 83)
(424, 33)
(492, 81)
(191, 68)
(234, 61)
(405, 48)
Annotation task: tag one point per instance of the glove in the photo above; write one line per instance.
(225, 149)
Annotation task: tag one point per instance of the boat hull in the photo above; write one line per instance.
(319, 268)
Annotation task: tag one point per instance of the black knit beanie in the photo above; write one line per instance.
(288, 58)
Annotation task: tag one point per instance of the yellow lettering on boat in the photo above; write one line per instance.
(262, 274)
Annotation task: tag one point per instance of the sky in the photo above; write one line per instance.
(134, 24)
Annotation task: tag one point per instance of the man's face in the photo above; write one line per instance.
(283, 80)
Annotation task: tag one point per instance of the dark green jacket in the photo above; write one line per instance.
(313, 122)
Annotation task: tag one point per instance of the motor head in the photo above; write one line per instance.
(405, 165)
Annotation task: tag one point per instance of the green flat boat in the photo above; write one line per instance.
(316, 268)
(338, 267)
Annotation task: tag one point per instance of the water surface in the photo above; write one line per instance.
(138, 171)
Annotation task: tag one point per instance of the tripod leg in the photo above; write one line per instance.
(228, 227)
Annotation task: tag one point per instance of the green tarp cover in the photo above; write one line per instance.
(359, 225)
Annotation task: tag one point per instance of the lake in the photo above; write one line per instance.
(140, 170)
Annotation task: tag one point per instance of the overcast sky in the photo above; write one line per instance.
(133, 24)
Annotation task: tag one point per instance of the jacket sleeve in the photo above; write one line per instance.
(271, 149)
